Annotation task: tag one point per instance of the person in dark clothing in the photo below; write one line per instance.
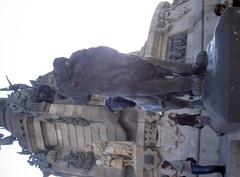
(149, 104)
(187, 167)
(219, 9)
(195, 120)
(236, 3)
(105, 71)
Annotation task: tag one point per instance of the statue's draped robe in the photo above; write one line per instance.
(107, 72)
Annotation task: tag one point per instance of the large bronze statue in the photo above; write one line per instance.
(107, 72)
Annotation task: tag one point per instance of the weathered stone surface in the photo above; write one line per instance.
(65, 135)
(39, 135)
(222, 87)
(73, 137)
(103, 133)
(59, 135)
(177, 45)
(51, 134)
(80, 137)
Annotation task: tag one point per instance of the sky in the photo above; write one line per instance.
(34, 32)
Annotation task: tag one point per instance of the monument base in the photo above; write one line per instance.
(221, 95)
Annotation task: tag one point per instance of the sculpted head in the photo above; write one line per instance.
(164, 5)
(172, 116)
(219, 9)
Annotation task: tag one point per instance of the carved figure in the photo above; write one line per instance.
(70, 120)
(14, 87)
(51, 156)
(117, 162)
(82, 160)
(163, 18)
(113, 148)
(21, 101)
(107, 72)
(177, 46)
(40, 160)
(114, 154)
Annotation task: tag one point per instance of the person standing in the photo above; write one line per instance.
(191, 120)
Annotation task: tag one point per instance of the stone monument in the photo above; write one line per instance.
(61, 132)
(222, 86)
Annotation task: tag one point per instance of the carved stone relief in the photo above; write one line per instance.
(151, 159)
(70, 120)
(83, 160)
(177, 47)
(150, 134)
(163, 18)
(169, 137)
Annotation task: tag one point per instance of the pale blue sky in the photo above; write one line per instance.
(34, 32)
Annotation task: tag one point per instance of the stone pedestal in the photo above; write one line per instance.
(222, 87)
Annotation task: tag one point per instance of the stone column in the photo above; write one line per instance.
(198, 25)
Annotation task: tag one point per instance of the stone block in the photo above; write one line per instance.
(38, 134)
(233, 159)
(120, 134)
(80, 137)
(59, 135)
(138, 158)
(51, 134)
(95, 132)
(87, 135)
(111, 133)
(65, 135)
(140, 134)
(103, 132)
(69, 111)
(222, 86)
(73, 137)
